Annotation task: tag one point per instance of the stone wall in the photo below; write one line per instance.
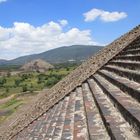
(22, 119)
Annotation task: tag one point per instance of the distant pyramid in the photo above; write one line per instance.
(37, 65)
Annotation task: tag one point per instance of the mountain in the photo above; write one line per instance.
(37, 65)
(59, 55)
(2, 61)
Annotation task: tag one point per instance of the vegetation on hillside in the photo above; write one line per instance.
(9, 67)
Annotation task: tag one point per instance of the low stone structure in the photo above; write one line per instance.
(103, 90)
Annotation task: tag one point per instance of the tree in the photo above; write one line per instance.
(31, 88)
(24, 77)
(52, 81)
(2, 81)
(7, 89)
(67, 69)
(42, 78)
(17, 82)
(24, 88)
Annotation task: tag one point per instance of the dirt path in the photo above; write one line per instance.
(2, 101)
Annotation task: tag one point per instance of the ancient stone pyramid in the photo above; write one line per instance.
(37, 65)
(99, 100)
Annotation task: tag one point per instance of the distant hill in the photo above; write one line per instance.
(37, 65)
(2, 61)
(59, 55)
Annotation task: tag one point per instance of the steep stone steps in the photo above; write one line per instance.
(66, 120)
(133, 65)
(45, 122)
(93, 111)
(67, 123)
(44, 132)
(134, 45)
(130, 52)
(130, 57)
(127, 106)
(128, 86)
(131, 49)
(117, 127)
(55, 119)
(124, 72)
(96, 128)
(80, 124)
(36, 128)
(106, 106)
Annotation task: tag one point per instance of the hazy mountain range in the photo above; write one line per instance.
(58, 55)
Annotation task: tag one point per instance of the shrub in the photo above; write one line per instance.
(7, 89)
(24, 77)
(24, 88)
(52, 81)
(2, 81)
(17, 82)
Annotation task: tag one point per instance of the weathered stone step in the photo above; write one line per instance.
(116, 126)
(130, 52)
(96, 128)
(131, 57)
(124, 72)
(52, 125)
(67, 123)
(133, 65)
(80, 124)
(37, 132)
(62, 119)
(34, 130)
(128, 107)
(43, 129)
(128, 86)
(134, 45)
(131, 49)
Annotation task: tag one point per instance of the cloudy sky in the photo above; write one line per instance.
(34, 26)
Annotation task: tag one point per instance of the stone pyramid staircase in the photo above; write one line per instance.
(105, 106)
(100, 102)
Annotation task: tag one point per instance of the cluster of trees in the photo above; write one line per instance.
(30, 82)
(49, 80)
(17, 83)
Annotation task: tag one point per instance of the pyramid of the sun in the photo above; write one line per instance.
(99, 100)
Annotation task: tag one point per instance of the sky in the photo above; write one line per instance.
(34, 26)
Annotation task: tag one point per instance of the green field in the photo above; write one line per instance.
(25, 85)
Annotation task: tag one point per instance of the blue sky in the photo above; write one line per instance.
(34, 26)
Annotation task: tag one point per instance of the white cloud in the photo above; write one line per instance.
(2, 1)
(24, 38)
(105, 16)
(63, 22)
